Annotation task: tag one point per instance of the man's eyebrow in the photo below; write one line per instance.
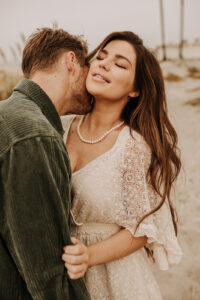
(117, 56)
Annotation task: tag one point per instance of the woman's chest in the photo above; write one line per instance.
(100, 177)
(81, 154)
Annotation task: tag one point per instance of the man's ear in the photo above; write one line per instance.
(134, 94)
(70, 59)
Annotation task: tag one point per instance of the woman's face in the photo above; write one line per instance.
(112, 73)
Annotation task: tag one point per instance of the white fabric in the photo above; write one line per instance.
(110, 193)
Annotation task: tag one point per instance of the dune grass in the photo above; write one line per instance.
(7, 82)
(194, 102)
(172, 77)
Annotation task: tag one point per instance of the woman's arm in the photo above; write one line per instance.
(117, 246)
(78, 258)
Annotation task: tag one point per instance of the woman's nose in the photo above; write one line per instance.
(104, 64)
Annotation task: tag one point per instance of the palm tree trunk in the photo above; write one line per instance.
(181, 30)
(162, 29)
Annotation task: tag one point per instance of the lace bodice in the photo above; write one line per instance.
(113, 189)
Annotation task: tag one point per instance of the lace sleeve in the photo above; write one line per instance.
(139, 198)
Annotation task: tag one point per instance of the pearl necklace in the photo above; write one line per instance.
(99, 139)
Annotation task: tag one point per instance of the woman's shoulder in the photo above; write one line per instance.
(134, 148)
(135, 141)
(66, 121)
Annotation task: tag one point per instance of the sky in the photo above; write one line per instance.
(96, 18)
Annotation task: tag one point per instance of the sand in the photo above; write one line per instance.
(182, 282)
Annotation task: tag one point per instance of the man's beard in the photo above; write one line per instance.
(80, 100)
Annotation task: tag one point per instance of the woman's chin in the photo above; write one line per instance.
(98, 93)
(95, 93)
(94, 89)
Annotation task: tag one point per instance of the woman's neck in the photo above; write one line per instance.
(104, 115)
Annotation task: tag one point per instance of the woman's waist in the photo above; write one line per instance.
(95, 228)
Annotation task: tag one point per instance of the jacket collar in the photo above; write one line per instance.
(34, 93)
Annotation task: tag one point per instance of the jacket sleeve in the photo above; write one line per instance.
(36, 196)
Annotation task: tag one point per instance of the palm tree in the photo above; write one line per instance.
(181, 30)
(162, 29)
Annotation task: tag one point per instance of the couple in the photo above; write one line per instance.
(123, 161)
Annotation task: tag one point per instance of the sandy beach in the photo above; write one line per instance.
(182, 282)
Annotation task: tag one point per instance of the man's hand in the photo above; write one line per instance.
(76, 258)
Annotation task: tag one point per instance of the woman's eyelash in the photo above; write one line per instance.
(99, 58)
(120, 66)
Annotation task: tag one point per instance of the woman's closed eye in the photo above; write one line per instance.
(120, 66)
(117, 64)
(99, 58)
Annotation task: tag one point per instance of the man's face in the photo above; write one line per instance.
(80, 99)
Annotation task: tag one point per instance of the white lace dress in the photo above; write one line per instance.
(110, 193)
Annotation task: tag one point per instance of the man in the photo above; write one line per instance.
(35, 170)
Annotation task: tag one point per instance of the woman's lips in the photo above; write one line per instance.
(100, 77)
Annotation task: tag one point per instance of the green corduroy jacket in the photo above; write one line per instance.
(35, 196)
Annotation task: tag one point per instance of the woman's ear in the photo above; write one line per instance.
(134, 94)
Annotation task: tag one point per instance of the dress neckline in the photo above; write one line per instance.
(98, 157)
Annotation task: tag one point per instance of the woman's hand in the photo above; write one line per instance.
(76, 258)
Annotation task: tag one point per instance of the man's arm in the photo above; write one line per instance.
(36, 210)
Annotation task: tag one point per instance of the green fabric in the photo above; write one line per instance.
(35, 196)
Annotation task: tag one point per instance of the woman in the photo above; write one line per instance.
(124, 161)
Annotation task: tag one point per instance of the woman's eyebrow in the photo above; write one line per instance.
(103, 51)
(124, 57)
(117, 55)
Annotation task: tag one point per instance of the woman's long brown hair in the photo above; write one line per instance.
(147, 114)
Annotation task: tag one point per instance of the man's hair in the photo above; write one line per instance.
(45, 46)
